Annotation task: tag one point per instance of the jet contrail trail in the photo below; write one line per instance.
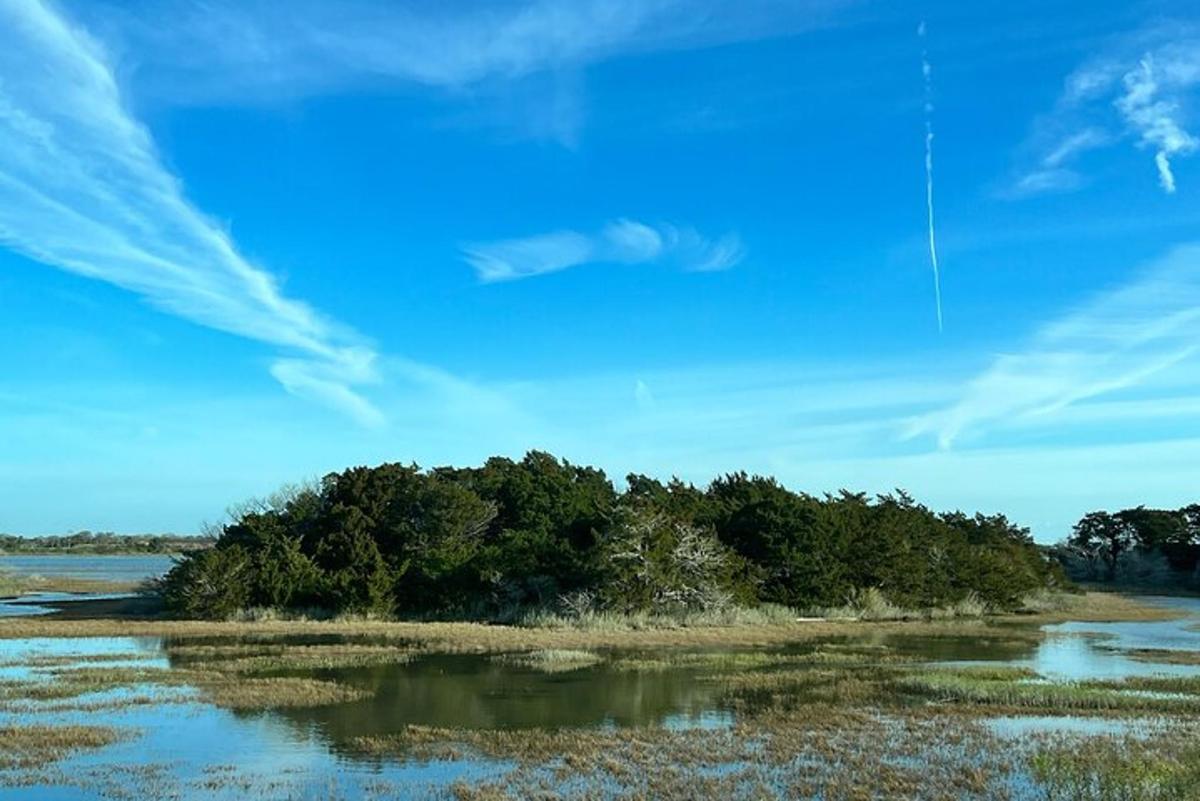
(926, 72)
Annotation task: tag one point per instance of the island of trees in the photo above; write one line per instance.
(496, 541)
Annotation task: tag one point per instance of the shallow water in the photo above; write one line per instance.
(115, 568)
(1018, 726)
(183, 747)
(1075, 650)
(119, 568)
(32, 604)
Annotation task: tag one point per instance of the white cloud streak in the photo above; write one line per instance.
(622, 241)
(1051, 174)
(1140, 93)
(927, 74)
(1114, 343)
(82, 188)
(262, 49)
(514, 66)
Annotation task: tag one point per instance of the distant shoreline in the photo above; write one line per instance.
(93, 552)
(103, 544)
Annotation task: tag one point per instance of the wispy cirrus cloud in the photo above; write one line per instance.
(261, 49)
(622, 241)
(1142, 92)
(1051, 174)
(514, 66)
(1115, 342)
(83, 189)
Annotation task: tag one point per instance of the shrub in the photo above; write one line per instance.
(650, 563)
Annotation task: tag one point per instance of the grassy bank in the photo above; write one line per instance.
(559, 634)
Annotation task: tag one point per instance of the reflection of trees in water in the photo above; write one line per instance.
(476, 692)
(953, 649)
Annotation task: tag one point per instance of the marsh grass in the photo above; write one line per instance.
(978, 688)
(229, 689)
(13, 585)
(1183, 685)
(247, 694)
(265, 657)
(710, 661)
(27, 747)
(603, 621)
(725, 664)
(772, 627)
(826, 752)
(1164, 657)
(560, 660)
(42, 661)
(1093, 607)
(481, 638)
(1119, 769)
(872, 604)
(1046, 601)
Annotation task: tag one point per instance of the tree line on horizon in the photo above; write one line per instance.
(1136, 547)
(541, 533)
(102, 542)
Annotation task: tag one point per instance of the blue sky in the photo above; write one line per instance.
(243, 246)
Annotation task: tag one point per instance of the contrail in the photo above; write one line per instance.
(926, 72)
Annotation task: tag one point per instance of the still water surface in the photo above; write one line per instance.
(120, 568)
(116, 568)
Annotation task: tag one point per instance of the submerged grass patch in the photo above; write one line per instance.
(554, 660)
(279, 693)
(825, 752)
(1165, 657)
(1163, 768)
(276, 655)
(227, 689)
(977, 688)
(35, 746)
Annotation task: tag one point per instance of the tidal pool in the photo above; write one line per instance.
(176, 744)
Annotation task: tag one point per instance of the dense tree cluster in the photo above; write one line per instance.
(544, 533)
(1136, 546)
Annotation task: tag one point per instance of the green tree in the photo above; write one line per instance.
(1104, 536)
(355, 576)
(1155, 528)
(796, 551)
(213, 584)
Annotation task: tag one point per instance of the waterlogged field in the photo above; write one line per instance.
(1075, 710)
